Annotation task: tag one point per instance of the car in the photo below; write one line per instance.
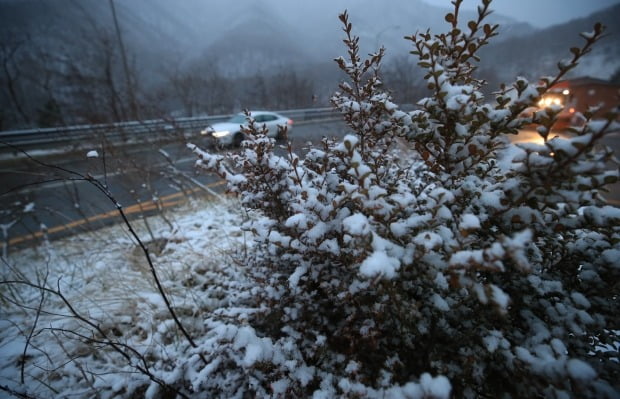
(230, 133)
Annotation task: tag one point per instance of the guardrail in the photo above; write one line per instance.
(129, 132)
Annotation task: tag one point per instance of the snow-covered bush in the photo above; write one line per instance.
(491, 266)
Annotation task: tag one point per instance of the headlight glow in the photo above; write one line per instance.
(206, 131)
(221, 133)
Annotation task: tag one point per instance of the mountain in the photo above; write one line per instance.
(68, 52)
(248, 35)
(376, 23)
(260, 33)
(536, 54)
(256, 41)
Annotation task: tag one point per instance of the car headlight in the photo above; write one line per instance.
(221, 133)
(206, 131)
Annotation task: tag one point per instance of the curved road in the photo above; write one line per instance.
(37, 198)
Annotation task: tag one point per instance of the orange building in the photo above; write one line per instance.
(578, 95)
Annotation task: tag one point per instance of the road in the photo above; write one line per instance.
(52, 199)
(49, 198)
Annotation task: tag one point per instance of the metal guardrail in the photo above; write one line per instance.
(130, 132)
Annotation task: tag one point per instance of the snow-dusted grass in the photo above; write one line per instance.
(71, 306)
(106, 279)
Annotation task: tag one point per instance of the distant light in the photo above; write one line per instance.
(572, 110)
(550, 100)
(566, 92)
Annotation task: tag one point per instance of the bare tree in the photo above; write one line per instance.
(404, 78)
(12, 97)
(290, 90)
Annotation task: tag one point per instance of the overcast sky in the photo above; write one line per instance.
(539, 13)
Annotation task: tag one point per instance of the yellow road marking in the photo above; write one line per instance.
(166, 201)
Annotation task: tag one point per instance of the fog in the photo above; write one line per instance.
(67, 62)
(536, 12)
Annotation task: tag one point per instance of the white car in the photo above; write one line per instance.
(229, 132)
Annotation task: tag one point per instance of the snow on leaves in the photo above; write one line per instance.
(489, 258)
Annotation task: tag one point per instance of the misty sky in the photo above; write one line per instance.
(539, 13)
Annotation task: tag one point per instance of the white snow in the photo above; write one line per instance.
(440, 303)
(299, 220)
(92, 154)
(105, 277)
(500, 297)
(580, 370)
(469, 222)
(297, 274)
(492, 341)
(379, 264)
(356, 224)
(580, 300)
(435, 387)
(428, 240)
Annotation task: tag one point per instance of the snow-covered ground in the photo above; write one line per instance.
(82, 317)
(105, 277)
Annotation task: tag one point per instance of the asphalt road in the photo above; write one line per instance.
(50, 198)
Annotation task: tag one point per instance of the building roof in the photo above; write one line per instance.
(585, 81)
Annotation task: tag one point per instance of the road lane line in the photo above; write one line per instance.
(166, 201)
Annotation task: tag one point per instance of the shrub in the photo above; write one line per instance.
(487, 264)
